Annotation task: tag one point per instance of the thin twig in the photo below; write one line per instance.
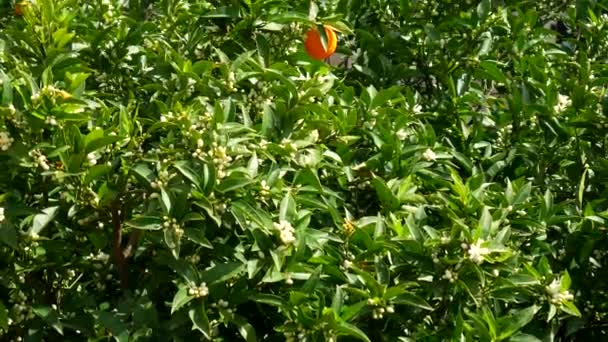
(119, 258)
(130, 247)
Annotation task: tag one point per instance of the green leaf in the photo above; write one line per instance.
(198, 235)
(351, 311)
(485, 224)
(511, 324)
(288, 208)
(8, 234)
(269, 299)
(221, 272)
(492, 70)
(523, 194)
(50, 316)
(200, 321)
(43, 219)
(112, 323)
(228, 12)
(3, 317)
(96, 172)
(311, 283)
(165, 200)
(7, 89)
(581, 187)
(180, 266)
(268, 119)
(253, 165)
(185, 169)
(348, 329)
(180, 299)
(483, 9)
(385, 194)
(521, 337)
(565, 281)
(411, 299)
(233, 182)
(145, 223)
(245, 329)
(144, 174)
(322, 36)
(571, 309)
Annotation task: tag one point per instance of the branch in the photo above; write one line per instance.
(119, 259)
(129, 248)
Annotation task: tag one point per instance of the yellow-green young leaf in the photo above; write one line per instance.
(571, 309)
(581, 188)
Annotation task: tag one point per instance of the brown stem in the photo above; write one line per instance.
(129, 248)
(119, 258)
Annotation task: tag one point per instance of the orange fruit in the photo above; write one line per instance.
(20, 7)
(313, 44)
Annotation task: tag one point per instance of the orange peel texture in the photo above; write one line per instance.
(313, 44)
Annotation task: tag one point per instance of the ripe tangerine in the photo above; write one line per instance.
(314, 46)
(20, 7)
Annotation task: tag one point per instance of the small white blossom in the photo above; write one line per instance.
(51, 120)
(401, 134)
(417, 109)
(558, 296)
(286, 232)
(448, 275)
(43, 162)
(5, 141)
(199, 291)
(563, 102)
(429, 155)
(477, 253)
(2, 217)
(92, 159)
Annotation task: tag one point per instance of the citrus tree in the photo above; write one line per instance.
(208, 170)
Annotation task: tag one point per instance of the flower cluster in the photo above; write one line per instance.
(5, 141)
(91, 159)
(286, 232)
(379, 310)
(557, 295)
(450, 276)
(220, 158)
(265, 189)
(198, 153)
(51, 120)
(429, 155)
(563, 102)
(171, 223)
(477, 253)
(2, 217)
(199, 291)
(40, 159)
(52, 92)
(348, 227)
(289, 146)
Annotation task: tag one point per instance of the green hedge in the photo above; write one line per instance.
(181, 170)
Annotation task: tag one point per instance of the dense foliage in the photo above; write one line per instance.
(182, 170)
